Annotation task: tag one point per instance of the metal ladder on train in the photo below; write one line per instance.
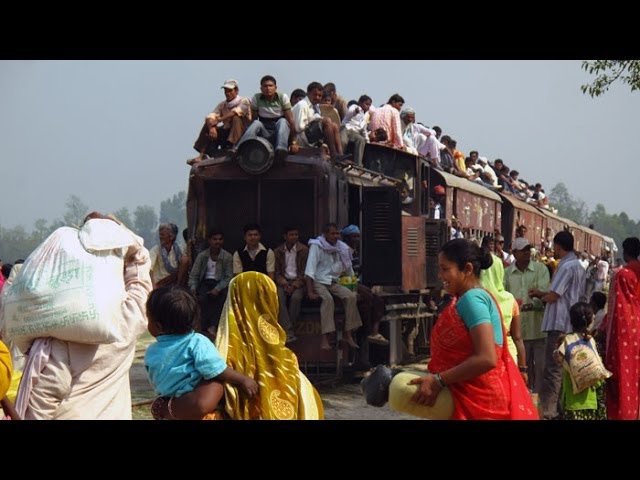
(353, 170)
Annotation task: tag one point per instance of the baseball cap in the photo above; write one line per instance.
(520, 243)
(231, 83)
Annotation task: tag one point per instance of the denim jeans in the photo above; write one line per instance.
(276, 131)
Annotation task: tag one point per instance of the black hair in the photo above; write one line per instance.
(462, 251)
(20, 260)
(395, 98)
(581, 315)
(329, 225)
(364, 98)
(251, 226)
(330, 86)
(174, 309)
(631, 246)
(217, 231)
(6, 269)
(351, 102)
(437, 129)
(289, 228)
(486, 240)
(298, 92)
(472, 152)
(565, 240)
(498, 160)
(314, 86)
(599, 300)
(266, 78)
(185, 234)
(381, 134)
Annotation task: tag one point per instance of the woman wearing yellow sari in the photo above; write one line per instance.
(252, 342)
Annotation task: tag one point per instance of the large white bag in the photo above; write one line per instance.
(71, 287)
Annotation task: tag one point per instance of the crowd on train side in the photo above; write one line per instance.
(317, 271)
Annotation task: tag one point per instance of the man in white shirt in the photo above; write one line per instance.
(354, 128)
(311, 128)
(328, 259)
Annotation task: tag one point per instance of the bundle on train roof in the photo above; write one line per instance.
(71, 287)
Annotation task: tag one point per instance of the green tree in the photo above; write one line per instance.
(14, 244)
(124, 216)
(76, 211)
(572, 208)
(174, 210)
(609, 71)
(145, 223)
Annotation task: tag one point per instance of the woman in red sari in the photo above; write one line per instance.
(622, 326)
(467, 353)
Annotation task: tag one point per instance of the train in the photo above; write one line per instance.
(389, 197)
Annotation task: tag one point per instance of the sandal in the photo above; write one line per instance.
(377, 339)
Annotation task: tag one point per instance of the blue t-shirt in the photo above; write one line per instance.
(475, 307)
(177, 363)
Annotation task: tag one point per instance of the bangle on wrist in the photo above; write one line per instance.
(170, 409)
(439, 380)
(524, 369)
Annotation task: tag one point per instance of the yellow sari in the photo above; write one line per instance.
(252, 342)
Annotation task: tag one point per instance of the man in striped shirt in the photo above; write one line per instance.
(273, 120)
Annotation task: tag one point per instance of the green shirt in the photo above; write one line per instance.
(585, 400)
(536, 275)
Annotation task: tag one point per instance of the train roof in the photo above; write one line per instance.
(550, 214)
(464, 184)
(522, 205)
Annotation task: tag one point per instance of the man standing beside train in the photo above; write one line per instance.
(567, 288)
(519, 278)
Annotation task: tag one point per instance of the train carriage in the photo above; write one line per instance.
(389, 197)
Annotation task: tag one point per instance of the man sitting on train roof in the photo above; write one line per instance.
(272, 117)
(388, 118)
(226, 124)
(338, 102)
(418, 139)
(354, 127)
(311, 128)
(328, 259)
(297, 95)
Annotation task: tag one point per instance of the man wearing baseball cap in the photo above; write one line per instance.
(520, 277)
(226, 124)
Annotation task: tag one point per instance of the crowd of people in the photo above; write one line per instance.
(509, 324)
(320, 117)
(579, 354)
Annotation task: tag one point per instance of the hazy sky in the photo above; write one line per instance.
(117, 133)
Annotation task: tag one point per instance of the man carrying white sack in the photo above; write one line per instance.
(74, 381)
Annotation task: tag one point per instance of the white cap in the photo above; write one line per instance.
(520, 243)
(231, 83)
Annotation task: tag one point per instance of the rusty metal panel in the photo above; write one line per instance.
(414, 273)
(479, 213)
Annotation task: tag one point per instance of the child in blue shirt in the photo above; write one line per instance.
(182, 358)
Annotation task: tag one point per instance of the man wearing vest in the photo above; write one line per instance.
(254, 257)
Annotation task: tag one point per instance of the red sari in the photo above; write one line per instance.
(622, 325)
(499, 394)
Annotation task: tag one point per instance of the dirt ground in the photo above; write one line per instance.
(341, 402)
